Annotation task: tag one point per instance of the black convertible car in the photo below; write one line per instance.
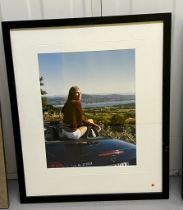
(87, 151)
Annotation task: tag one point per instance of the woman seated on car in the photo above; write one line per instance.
(75, 123)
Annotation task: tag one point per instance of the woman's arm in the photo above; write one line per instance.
(84, 119)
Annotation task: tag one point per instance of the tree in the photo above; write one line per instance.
(43, 93)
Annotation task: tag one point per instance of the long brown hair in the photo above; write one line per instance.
(72, 93)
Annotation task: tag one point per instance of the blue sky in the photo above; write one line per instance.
(96, 72)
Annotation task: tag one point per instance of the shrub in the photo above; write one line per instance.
(117, 119)
(130, 121)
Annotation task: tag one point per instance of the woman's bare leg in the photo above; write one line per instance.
(83, 130)
(90, 120)
(96, 126)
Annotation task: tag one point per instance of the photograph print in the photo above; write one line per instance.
(88, 106)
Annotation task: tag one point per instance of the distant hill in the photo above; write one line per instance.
(87, 98)
(105, 98)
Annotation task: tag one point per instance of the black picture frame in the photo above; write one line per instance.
(11, 49)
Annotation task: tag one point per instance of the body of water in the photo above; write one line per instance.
(103, 104)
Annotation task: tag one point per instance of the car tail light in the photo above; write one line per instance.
(55, 165)
(109, 153)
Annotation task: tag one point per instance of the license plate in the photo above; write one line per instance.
(83, 164)
(122, 164)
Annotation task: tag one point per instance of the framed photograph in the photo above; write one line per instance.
(90, 106)
(3, 180)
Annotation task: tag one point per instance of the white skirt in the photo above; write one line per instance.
(72, 135)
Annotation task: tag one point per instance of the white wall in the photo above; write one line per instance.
(46, 9)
